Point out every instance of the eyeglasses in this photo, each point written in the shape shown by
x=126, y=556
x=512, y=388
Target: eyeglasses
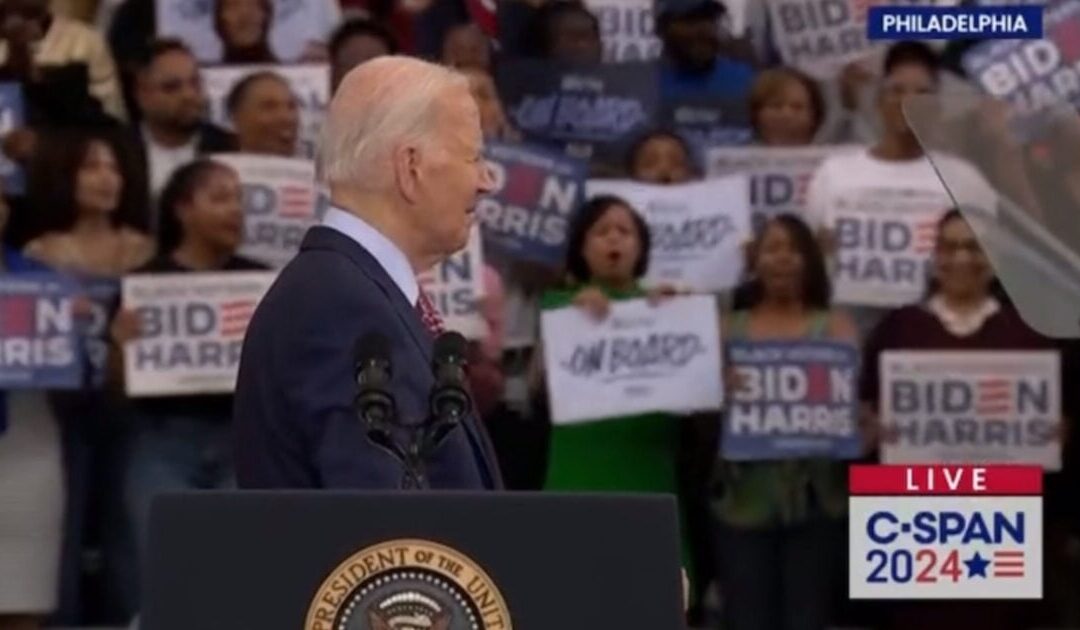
x=951, y=248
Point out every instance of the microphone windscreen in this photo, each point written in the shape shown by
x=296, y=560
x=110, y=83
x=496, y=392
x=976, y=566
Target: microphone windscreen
x=449, y=346
x=372, y=347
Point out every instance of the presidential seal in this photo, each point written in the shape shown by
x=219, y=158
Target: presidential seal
x=408, y=585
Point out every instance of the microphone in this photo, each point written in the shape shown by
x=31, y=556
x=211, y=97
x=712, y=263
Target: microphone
x=374, y=402
x=450, y=397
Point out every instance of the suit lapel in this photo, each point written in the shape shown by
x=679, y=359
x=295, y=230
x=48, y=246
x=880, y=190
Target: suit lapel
x=320, y=237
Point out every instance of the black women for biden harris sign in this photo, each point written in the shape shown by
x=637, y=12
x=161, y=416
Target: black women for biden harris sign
x=792, y=400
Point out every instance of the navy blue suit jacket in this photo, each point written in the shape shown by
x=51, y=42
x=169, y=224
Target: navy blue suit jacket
x=294, y=418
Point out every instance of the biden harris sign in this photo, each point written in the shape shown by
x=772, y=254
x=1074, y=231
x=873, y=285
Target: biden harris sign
x=794, y=400
x=974, y=407
x=192, y=329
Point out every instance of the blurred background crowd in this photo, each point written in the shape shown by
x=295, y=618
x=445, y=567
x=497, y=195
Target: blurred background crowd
x=123, y=103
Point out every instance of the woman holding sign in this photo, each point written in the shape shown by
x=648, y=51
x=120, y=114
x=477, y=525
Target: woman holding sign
x=80, y=183
x=965, y=310
x=607, y=255
x=184, y=442
x=31, y=491
x=780, y=516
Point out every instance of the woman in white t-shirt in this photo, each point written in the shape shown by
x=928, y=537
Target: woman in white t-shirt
x=895, y=177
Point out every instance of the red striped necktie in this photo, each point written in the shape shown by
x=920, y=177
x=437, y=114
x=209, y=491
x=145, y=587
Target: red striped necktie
x=432, y=321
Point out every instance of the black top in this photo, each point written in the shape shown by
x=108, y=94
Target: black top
x=165, y=263
x=60, y=97
x=208, y=407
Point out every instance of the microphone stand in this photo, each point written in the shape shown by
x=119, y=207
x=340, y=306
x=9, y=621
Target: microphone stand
x=379, y=415
x=410, y=444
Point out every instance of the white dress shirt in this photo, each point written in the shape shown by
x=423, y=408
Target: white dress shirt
x=164, y=161
x=383, y=250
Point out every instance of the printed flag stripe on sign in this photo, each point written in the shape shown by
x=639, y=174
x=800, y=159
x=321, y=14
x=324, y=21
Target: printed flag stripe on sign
x=802, y=187
x=1008, y=563
x=817, y=386
x=297, y=202
x=925, y=236
x=17, y=316
x=235, y=317
x=1067, y=36
x=860, y=8
x=523, y=184
x=994, y=396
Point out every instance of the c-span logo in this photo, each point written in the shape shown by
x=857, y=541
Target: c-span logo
x=945, y=532
x=407, y=584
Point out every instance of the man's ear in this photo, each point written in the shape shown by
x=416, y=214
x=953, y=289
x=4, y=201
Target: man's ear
x=406, y=165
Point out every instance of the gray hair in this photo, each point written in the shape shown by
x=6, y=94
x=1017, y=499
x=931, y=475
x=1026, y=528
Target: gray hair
x=380, y=104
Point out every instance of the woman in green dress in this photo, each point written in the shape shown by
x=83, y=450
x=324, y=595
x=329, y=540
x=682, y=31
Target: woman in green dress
x=607, y=254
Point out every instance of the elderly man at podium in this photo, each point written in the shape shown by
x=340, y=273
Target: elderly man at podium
x=402, y=157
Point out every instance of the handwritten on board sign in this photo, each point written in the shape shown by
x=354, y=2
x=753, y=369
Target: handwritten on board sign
x=697, y=229
x=641, y=358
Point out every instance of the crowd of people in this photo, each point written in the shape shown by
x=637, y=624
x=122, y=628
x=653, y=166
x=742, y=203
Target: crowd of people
x=116, y=146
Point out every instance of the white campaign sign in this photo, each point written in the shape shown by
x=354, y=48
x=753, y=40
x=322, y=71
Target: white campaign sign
x=884, y=239
x=779, y=176
x=972, y=407
x=297, y=23
x=456, y=286
x=627, y=28
x=192, y=329
x=820, y=37
x=310, y=84
x=279, y=204
x=641, y=358
x=698, y=230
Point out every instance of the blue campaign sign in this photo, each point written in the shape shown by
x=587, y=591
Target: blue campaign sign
x=39, y=345
x=103, y=295
x=712, y=121
x=536, y=192
x=795, y=400
x=12, y=116
x=602, y=106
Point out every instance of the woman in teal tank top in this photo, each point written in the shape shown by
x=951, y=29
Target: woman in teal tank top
x=780, y=523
